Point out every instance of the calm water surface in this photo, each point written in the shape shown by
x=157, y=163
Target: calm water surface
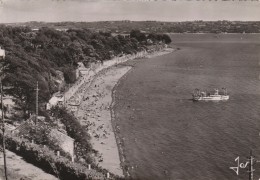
x=168, y=136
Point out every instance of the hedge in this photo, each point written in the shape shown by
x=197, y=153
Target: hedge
x=46, y=159
x=82, y=139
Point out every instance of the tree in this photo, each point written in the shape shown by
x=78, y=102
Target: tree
x=36, y=56
x=69, y=74
x=166, y=38
x=75, y=51
x=137, y=34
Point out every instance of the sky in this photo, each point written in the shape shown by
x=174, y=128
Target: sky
x=137, y=10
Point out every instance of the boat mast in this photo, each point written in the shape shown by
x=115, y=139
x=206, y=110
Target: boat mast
x=225, y=91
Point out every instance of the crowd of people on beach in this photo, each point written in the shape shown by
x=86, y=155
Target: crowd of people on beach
x=90, y=101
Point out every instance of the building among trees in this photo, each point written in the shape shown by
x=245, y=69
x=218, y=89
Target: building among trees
x=2, y=53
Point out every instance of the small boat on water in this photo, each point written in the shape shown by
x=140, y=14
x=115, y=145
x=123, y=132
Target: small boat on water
x=204, y=96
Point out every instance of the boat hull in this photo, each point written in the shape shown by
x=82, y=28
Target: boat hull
x=211, y=98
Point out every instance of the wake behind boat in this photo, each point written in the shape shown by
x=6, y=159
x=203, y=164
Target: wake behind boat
x=204, y=96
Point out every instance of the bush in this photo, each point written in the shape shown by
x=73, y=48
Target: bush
x=75, y=131
x=82, y=139
x=46, y=159
x=69, y=75
x=40, y=134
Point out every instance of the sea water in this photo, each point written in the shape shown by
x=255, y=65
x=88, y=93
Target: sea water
x=168, y=136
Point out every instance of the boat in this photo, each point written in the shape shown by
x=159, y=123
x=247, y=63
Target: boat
x=204, y=96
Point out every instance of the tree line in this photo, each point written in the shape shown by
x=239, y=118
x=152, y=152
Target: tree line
x=161, y=27
x=33, y=56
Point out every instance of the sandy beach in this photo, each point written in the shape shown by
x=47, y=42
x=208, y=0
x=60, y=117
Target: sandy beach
x=95, y=110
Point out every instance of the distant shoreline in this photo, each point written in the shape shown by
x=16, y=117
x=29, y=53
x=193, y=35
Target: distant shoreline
x=124, y=26
x=213, y=33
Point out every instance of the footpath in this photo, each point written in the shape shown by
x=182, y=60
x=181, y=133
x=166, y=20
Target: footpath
x=94, y=69
x=18, y=169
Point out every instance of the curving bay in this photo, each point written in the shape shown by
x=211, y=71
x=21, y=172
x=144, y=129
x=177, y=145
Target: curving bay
x=168, y=136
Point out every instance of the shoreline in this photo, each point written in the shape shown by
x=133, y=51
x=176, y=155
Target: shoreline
x=96, y=111
x=116, y=129
x=119, y=140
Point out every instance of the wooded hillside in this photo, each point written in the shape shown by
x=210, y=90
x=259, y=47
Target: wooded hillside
x=42, y=55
